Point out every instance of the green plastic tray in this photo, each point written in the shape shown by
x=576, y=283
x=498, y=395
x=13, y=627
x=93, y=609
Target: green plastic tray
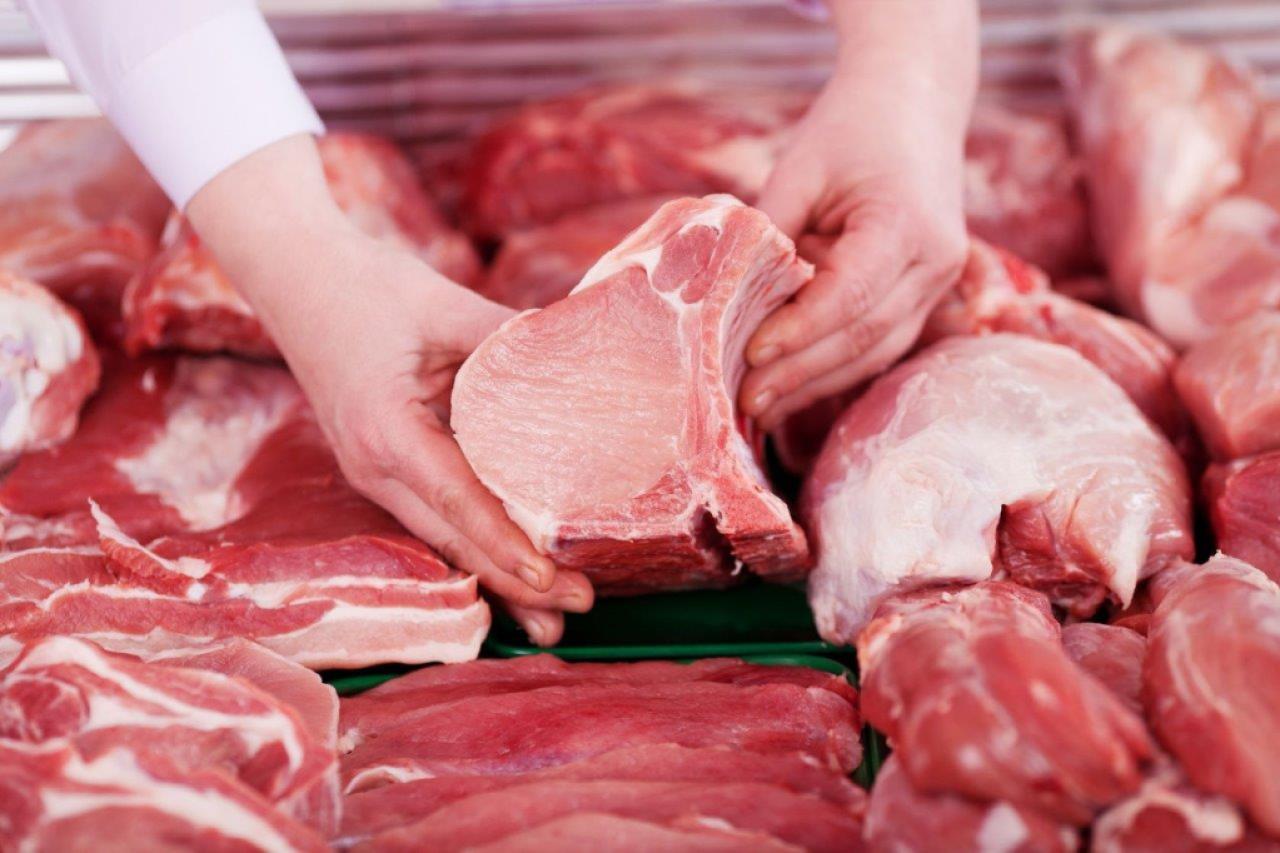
x=753, y=619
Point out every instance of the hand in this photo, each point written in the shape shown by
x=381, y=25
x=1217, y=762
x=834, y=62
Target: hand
x=871, y=185
x=374, y=336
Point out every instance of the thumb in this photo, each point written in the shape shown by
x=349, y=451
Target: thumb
x=786, y=200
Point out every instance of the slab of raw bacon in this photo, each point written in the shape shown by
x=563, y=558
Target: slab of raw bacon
x=78, y=213
x=66, y=690
x=370, y=812
x=1212, y=696
x=975, y=692
x=1231, y=385
x=1024, y=187
x=1244, y=503
x=606, y=422
x=991, y=455
x=53, y=798
x=48, y=368
x=900, y=818
x=1111, y=654
x=183, y=300
x=1179, y=151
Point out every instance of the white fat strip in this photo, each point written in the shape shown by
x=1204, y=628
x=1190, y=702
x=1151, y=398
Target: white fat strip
x=108, y=529
x=105, y=711
x=382, y=774
x=280, y=593
x=1002, y=830
x=128, y=785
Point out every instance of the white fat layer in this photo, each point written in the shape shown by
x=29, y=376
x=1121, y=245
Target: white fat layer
x=126, y=785
x=38, y=340
x=1002, y=830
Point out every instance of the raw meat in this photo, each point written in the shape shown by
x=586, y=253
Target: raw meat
x=121, y=801
x=396, y=702
x=1244, y=506
x=529, y=730
x=1111, y=654
x=606, y=422
x=1178, y=148
x=584, y=833
x=48, y=368
x=977, y=696
x=1024, y=188
x=221, y=513
x=62, y=689
x=78, y=213
x=997, y=292
x=542, y=264
x=1231, y=385
x=900, y=819
x=389, y=806
x=615, y=142
x=1212, y=696
x=991, y=455
x=182, y=299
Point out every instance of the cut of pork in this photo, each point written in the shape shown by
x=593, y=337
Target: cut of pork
x=606, y=422
x=1212, y=695
x=1244, y=507
x=1111, y=654
x=975, y=692
x=900, y=819
x=593, y=831
x=991, y=455
x=62, y=689
x=1178, y=148
x=48, y=368
x=183, y=300
x=1231, y=385
x=78, y=213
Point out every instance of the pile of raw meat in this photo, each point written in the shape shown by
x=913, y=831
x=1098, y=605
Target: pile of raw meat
x=1002, y=525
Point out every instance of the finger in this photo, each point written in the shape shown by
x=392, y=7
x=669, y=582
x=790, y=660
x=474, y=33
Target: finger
x=861, y=267
x=787, y=198
x=544, y=627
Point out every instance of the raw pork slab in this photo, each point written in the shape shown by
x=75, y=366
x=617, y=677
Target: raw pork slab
x=1212, y=695
x=615, y=142
x=900, y=819
x=1024, y=187
x=1231, y=385
x=183, y=300
x=975, y=692
x=606, y=422
x=992, y=455
x=1179, y=152
x=62, y=689
x=54, y=799
x=1244, y=507
x=1111, y=654
x=48, y=368
x=369, y=812
x=78, y=213
x=584, y=833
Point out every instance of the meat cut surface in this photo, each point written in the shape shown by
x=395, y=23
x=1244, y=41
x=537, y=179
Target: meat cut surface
x=542, y=264
x=1111, y=654
x=48, y=368
x=606, y=422
x=992, y=455
x=616, y=142
x=1244, y=506
x=183, y=300
x=974, y=690
x=1024, y=188
x=1231, y=385
x=70, y=691
x=1179, y=148
x=219, y=512
x=78, y=214
x=900, y=818
x=590, y=831
x=1212, y=696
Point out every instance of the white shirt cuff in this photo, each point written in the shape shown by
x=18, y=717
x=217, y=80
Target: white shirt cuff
x=209, y=98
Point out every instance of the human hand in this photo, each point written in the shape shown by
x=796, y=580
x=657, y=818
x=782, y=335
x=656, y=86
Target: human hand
x=871, y=187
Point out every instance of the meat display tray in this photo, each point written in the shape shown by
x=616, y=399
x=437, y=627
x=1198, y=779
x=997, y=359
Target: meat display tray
x=753, y=619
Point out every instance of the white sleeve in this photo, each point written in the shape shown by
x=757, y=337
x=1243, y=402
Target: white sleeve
x=192, y=85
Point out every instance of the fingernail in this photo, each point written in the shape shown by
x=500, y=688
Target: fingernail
x=532, y=577
x=762, y=399
x=572, y=598
x=766, y=354
x=537, y=626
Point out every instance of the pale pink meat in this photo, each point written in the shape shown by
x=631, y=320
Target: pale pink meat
x=1244, y=507
x=48, y=368
x=977, y=697
x=591, y=831
x=1111, y=654
x=1212, y=696
x=606, y=423
x=991, y=456
x=1231, y=385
